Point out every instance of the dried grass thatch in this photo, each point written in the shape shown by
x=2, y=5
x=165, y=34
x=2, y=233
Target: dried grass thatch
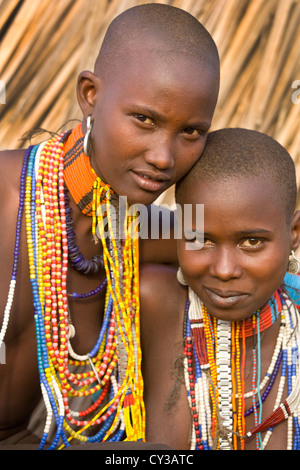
x=44, y=45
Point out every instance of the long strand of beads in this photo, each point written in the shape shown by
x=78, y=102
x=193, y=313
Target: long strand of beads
x=243, y=339
x=206, y=408
x=290, y=385
x=282, y=378
x=49, y=269
x=240, y=416
x=290, y=405
x=234, y=367
x=134, y=306
x=272, y=365
x=254, y=374
x=269, y=387
x=190, y=385
x=223, y=359
x=45, y=374
x=47, y=257
x=131, y=384
x=200, y=402
x=108, y=354
x=211, y=344
x=258, y=377
x=94, y=375
x=293, y=375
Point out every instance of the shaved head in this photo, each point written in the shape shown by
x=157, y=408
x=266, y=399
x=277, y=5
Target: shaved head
x=236, y=153
x=158, y=29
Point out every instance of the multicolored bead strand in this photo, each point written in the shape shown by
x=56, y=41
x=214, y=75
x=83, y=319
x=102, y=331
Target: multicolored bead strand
x=224, y=383
x=285, y=356
x=103, y=376
x=126, y=301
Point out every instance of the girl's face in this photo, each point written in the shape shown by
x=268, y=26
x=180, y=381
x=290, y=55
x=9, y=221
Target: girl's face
x=150, y=124
x=246, y=246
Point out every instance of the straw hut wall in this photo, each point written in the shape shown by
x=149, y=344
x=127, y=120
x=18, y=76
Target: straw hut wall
x=44, y=44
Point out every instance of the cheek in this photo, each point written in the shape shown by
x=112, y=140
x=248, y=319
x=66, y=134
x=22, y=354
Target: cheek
x=270, y=264
x=186, y=156
x=190, y=262
x=268, y=276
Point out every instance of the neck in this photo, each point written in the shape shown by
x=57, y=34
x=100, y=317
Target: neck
x=79, y=176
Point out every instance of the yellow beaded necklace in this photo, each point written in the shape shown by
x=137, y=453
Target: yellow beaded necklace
x=112, y=370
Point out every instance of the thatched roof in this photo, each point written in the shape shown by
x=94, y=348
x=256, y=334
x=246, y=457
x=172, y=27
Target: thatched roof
x=44, y=45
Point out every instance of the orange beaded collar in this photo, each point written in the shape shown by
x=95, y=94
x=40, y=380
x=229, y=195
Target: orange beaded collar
x=79, y=175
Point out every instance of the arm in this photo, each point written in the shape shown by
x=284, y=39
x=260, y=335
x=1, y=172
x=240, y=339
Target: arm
x=160, y=246
x=19, y=389
x=162, y=310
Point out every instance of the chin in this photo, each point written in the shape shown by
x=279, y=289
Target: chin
x=230, y=316
x=144, y=199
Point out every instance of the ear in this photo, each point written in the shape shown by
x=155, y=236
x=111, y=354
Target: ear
x=88, y=86
x=295, y=231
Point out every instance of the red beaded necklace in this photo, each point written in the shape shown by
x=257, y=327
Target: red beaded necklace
x=265, y=315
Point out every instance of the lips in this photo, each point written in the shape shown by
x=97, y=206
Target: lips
x=225, y=298
x=149, y=180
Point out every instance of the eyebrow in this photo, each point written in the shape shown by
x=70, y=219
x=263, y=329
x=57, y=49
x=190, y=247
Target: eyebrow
x=239, y=234
x=160, y=117
x=256, y=231
x=151, y=113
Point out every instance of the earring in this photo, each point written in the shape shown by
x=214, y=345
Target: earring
x=293, y=264
x=87, y=137
x=180, y=277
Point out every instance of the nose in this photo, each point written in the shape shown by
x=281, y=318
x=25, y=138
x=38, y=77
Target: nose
x=161, y=154
x=226, y=265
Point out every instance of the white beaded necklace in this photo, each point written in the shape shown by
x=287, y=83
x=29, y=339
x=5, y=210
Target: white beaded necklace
x=288, y=340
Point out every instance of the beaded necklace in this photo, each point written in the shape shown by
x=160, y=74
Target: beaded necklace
x=215, y=355
x=111, y=373
x=79, y=176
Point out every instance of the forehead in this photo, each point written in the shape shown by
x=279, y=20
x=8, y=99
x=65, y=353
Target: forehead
x=155, y=58
x=156, y=76
x=239, y=203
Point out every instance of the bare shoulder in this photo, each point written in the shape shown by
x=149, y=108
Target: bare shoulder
x=158, y=282
x=20, y=388
x=153, y=274
x=162, y=297
x=160, y=245
x=10, y=169
x=11, y=162
x=163, y=302
x=10, y=157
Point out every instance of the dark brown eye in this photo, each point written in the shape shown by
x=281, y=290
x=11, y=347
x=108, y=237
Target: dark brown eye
x=191, y=131
x=143, y=118
x=251, y=242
